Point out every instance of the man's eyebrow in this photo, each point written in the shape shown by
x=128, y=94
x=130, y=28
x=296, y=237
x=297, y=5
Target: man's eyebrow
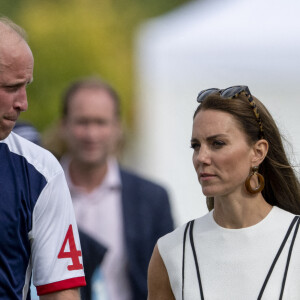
x=19, y=83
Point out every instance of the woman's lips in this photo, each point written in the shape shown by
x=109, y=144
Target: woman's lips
x=206, y=176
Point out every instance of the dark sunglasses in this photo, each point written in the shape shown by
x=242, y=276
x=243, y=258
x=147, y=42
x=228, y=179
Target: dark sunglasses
x=230, y=93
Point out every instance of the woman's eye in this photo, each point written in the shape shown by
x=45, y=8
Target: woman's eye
x=218, y=144
x=195, y=146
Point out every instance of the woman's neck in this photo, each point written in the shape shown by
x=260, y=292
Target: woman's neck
x=240, y=212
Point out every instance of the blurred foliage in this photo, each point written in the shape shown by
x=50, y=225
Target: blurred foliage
x=76, y=38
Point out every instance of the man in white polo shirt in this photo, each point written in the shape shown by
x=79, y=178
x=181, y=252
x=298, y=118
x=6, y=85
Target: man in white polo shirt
x=38, y=229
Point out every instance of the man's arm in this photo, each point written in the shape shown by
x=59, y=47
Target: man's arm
x=70, y=294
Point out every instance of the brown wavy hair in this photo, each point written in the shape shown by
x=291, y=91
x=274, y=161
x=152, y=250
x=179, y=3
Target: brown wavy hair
x=282, y=186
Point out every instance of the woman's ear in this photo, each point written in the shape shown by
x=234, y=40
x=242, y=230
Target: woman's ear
x=260, y=149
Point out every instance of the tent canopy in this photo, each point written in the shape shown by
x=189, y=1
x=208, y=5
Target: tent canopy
x=211, y=44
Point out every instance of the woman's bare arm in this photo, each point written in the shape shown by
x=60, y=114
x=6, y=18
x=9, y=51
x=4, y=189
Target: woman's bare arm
x=159, y=287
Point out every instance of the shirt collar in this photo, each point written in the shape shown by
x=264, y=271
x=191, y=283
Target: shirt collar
x=112, y=179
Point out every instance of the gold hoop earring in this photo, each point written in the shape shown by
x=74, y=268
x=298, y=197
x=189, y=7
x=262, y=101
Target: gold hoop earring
x=261, y=181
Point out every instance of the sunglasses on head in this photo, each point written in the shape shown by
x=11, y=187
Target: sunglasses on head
x=230, y=93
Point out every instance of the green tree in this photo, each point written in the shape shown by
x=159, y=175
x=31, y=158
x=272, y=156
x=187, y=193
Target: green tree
x=76, y=38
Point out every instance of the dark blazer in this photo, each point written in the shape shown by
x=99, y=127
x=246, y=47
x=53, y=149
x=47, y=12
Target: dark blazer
x=92, y=256
x=147, y=217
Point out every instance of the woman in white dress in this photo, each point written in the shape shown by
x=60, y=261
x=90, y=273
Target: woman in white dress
x=247, y=246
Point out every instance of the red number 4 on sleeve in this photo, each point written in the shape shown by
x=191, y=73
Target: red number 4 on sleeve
x=73, y=253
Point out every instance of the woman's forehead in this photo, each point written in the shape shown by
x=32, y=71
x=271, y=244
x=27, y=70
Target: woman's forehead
x=213, y=122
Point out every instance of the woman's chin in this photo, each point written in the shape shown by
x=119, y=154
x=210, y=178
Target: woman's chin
x=208, y=192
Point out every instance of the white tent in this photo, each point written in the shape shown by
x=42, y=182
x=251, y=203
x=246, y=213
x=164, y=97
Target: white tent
x=211, y=44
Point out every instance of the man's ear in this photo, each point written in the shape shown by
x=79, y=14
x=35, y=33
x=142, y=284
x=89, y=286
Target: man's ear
x=260, y=149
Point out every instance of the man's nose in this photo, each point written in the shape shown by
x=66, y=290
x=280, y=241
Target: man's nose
x=20, y=102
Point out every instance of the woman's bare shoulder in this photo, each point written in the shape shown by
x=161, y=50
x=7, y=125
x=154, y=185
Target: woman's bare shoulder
x=159, y=287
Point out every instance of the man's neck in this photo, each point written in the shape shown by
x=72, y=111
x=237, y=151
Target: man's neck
x=87, y=177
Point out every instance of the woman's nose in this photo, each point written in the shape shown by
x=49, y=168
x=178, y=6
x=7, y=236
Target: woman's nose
x=203, y=155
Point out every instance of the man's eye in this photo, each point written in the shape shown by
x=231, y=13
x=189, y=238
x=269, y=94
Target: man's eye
x=101, y=122
x=12, y=88
x=82, y=122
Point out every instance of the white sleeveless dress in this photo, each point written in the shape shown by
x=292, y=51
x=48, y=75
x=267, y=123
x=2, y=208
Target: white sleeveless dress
x=234, y=263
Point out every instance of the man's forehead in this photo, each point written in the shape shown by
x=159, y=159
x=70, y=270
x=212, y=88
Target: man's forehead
x=16, y=58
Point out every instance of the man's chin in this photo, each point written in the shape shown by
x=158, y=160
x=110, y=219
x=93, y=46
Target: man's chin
x=4, y=133
x=93, y=161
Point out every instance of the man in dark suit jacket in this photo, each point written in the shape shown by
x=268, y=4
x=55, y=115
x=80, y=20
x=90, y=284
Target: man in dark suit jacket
x=120, y=211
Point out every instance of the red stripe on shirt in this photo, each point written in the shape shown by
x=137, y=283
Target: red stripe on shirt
x=61, y=285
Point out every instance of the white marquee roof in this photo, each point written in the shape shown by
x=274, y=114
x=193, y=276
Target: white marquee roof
x=211, y=44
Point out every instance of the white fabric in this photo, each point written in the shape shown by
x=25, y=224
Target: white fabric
x=99, y=214
x=233, y=262
x=52, y=216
